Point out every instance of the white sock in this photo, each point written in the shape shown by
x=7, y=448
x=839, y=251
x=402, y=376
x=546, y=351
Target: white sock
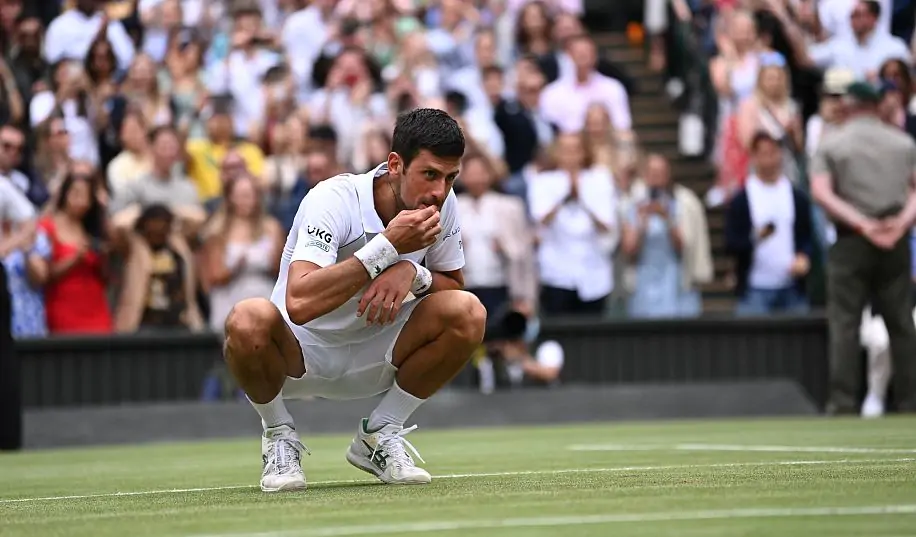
x=394, y=408
x=274, y=413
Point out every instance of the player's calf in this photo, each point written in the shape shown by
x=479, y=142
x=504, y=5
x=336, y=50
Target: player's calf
x=261, y=352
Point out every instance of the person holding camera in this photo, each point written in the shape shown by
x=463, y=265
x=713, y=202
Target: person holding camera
x=508, y=360
x=768, y=231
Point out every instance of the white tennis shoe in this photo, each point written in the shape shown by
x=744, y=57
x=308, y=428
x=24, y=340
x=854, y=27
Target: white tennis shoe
x=383, y=454
x=281, y=453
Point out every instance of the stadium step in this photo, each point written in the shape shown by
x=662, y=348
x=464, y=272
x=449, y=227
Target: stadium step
x=655, y=121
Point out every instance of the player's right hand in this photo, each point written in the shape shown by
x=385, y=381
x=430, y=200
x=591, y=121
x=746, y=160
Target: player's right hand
x=414, y=230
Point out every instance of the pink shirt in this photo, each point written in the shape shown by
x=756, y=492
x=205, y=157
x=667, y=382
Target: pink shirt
x=565, y=102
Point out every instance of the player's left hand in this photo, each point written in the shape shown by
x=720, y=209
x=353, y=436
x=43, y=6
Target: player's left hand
x=382, y=301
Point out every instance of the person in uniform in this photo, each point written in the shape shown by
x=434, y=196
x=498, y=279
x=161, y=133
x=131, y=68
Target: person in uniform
x=863, y=177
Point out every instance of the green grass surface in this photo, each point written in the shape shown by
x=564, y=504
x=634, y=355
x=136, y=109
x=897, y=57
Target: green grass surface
x=801, y=477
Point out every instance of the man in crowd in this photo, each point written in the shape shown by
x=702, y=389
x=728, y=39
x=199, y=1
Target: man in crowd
x=864, y=177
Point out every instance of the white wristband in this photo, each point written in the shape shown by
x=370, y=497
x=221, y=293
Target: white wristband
x=377, y=255
x=422, y=281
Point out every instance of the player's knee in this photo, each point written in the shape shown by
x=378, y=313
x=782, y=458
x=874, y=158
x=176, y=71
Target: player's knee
x=468, y=317
x=249, y=325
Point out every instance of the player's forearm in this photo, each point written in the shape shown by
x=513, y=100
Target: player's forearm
x=321, y=291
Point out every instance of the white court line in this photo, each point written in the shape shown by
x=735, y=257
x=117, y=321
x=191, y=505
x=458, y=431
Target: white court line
x=737, y=447
x=465, y=476
x=582, y=520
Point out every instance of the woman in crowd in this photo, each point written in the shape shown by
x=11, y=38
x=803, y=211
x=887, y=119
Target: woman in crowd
x=69, y=98
x=667, y=240
x=574, y=208
x=241, y=251
x=771, y=109
x=141, y=90
x=372, y=150
x=75, y=295
x=533, y=31
x=734, y=77
x=287, y=163
x=52, y=156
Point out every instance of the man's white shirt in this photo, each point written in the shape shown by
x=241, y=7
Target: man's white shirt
x=336, y=219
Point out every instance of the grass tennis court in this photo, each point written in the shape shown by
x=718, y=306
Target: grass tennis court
x=760, y=477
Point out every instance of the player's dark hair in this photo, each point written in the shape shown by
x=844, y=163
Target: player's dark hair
x=430, y=129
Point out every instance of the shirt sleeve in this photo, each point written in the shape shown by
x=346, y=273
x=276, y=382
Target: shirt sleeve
x=15, y=205
x=821, y=163
x=618, y=103
x=321, y=223
x=448, y=252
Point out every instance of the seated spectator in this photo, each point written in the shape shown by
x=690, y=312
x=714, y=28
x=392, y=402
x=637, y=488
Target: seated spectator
x=565, y=102
x=892, y=109
x=142, y=93
x=25, y=61
x=27, y=267
x=667, y=241
x=242, y=251
x=159, y=288
x=184, y=79
x=768, y=230
x=574, y=208
x=470, y=80
x=479, y=127
x=771, y=108
x=12, y=148
x=75, y=295
x=205, y=156
x=319, y=166
x=372, y=150
x=866, y=49
x=135, y=161
x=287, y=162
x=163, y=185
x=497, y=241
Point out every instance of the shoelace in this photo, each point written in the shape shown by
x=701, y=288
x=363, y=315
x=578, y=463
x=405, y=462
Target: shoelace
x=394, y=444
x=285, y=451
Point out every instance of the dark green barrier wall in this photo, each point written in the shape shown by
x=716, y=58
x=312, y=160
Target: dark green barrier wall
x=126, y=369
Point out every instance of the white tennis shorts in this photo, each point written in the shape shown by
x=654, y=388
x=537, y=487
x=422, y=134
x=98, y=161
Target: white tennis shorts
x=350, y=371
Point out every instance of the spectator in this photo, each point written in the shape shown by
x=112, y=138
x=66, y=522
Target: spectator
x=71, y=34
x=348, y=100
x=141, y=91
x=184, y=80
x=771, y=109
x=305, y=33
x=667, y=240
x=866, y=49
x=319, y=165
x=287, y=163
x=523, y=128
x=206, y=155
x=52, y=158
x=416, y=66
x=831, y=113
x=27, y=272
x=373, y=149
x=68, y=96
x=574, y=210
x=241, y=252
x=135, y=161
x=75, y=295
x=470, y=80
x=17, y=231
x=837, y=17
x=532, y=31
x=240, y=74
x=863, y=177
x=565, y=102
x=479, y=127
x=25, y=60
x=734, y=77
x=162, y=186
x=497, y=242
x=158, y=292
x=768, y=230
x=158, y=26
x=509, y=361
x=12, y=147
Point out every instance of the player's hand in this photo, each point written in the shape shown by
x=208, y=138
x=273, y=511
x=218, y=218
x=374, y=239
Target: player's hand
x=414, y=230
x=382, y=300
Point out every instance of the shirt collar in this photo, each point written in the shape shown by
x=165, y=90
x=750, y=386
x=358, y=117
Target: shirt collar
x=365, y=191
